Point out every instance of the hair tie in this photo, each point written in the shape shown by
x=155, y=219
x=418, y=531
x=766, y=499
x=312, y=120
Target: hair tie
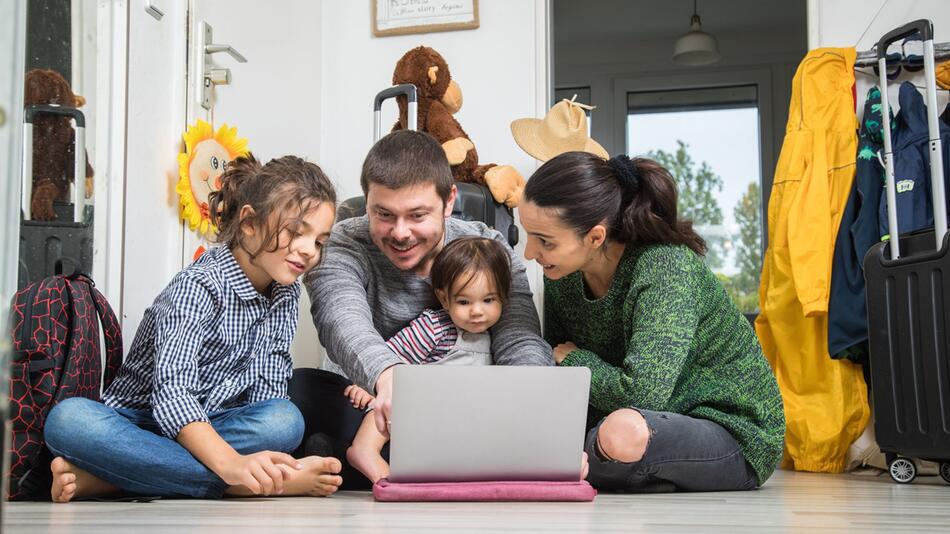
x=626, y=172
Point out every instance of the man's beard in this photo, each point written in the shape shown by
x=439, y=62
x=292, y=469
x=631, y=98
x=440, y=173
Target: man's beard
x=428, y=256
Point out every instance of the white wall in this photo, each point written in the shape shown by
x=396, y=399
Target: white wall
x=274, y=98
x=860, y=23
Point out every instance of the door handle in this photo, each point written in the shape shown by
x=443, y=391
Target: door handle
x=210, y=75
x=215, y=48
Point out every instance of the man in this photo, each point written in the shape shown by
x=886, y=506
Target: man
x=374, y=280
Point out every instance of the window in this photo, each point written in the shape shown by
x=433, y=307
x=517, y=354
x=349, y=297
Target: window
x=709, y=140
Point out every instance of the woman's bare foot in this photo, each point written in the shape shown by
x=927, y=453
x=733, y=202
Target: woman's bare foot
x=71, y=482
x=319, y=477
x=368, y=461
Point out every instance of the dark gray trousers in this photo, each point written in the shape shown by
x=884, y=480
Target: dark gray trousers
x=683, y=454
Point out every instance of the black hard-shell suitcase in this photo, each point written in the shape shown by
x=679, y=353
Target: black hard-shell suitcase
x=68, y=238
x=908, y=297
x=474, y=202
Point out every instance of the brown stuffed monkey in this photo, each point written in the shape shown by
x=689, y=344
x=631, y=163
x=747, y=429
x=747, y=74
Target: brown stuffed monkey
x=54, y=144
x=439, y=97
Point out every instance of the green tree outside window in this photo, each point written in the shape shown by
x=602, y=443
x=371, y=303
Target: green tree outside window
x=698, y=187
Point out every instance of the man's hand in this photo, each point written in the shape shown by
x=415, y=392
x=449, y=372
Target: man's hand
x=258, y=472
x=561, y=351
x=383, y=405
x=358, y=396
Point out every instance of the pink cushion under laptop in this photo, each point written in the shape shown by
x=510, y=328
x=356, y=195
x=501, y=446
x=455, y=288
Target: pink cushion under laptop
x=579, y=490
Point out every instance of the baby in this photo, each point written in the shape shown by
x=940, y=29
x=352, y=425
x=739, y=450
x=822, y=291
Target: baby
x=471, y=278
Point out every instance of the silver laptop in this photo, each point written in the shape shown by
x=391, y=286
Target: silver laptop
x=462, y=423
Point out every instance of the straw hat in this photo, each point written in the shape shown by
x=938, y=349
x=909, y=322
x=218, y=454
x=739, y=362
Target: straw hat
x=563, y=129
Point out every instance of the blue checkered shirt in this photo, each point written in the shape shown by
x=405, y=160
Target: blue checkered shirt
x=209, y=342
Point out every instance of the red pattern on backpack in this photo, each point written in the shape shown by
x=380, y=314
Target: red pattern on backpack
x=57, y=355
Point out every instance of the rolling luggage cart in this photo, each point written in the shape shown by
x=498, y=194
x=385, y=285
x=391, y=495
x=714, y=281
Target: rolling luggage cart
x=908, y=297
x=69, y=237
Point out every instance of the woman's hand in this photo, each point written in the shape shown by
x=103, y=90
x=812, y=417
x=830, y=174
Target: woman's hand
x=561, y=351
x=358, y=396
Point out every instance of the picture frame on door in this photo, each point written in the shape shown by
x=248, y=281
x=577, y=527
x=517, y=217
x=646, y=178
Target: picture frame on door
x=404, y=17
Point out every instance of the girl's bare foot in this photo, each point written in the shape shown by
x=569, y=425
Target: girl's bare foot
x=319, y=477
x=368, y=461
x=71, y=482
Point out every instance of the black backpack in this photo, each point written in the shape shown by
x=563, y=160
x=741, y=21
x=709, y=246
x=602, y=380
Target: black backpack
x=57, y=355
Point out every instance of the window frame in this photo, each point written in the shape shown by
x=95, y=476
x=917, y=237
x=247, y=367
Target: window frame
x=769, y=138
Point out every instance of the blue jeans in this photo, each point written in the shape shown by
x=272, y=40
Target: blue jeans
x=127, y=449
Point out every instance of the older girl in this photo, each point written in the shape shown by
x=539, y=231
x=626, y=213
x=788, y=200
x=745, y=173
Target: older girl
x=200, y=406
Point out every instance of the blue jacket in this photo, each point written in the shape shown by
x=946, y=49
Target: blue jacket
x=847, y=308
x=911, y=146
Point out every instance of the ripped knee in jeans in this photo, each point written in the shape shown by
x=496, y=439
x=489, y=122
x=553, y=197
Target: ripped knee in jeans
x=623, y=436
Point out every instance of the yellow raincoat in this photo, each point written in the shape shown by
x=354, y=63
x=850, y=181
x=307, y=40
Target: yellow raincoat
x=826, y=406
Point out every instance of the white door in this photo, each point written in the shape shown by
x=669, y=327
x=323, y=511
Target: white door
x=156, y=114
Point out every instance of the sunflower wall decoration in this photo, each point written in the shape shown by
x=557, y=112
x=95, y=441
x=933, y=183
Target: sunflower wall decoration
x=206, y=157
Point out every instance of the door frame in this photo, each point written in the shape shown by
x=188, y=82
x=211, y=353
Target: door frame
x=111, y=93
x=12, y=60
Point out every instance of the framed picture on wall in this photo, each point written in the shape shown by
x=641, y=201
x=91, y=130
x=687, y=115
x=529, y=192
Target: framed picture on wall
x=402, y=17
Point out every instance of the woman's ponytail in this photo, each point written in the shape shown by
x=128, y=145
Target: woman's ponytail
x=635, y=198
x=649, y=210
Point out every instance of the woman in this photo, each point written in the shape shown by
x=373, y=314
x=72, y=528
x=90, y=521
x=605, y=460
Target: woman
x=681, y=397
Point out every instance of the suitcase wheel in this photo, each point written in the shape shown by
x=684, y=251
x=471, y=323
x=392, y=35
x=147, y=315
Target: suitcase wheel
x=945, y=471
x=903, y=470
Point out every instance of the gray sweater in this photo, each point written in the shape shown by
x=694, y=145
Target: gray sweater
x=360, y=299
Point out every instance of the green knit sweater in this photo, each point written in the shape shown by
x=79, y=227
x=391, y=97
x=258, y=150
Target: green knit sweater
x=666, y=337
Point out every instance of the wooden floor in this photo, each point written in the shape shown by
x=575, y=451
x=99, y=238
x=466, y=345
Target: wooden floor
x=788, y=502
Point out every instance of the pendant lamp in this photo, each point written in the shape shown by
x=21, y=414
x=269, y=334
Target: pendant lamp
x=696, y=47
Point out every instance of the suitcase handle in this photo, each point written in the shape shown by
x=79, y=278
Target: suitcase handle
x=79, y=169
x=888, y=260
x=409, y=91
x=923, y=26
x=45, y=109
